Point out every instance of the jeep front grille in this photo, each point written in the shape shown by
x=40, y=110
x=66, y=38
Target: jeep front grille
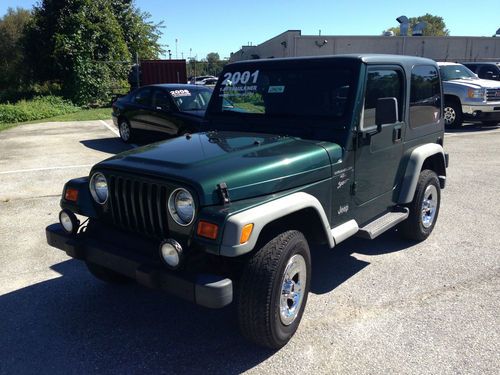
x=138, y=206
x=493, y=95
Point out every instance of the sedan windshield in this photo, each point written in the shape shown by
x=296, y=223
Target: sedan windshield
x=192, y=99
x=451, y=72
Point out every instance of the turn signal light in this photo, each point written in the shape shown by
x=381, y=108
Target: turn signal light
x=71, y=194
x=208, y=230
x=245, y=233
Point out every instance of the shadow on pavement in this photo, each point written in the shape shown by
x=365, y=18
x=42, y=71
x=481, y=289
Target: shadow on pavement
x=472, y=128
x=77, y=324
x=332, y=267
x=108, y=145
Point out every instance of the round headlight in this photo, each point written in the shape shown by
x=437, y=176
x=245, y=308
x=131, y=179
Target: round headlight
x=69, y=221
x=99, y=188
x=181, y=206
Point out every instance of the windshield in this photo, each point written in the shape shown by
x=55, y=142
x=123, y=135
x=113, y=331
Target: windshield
x=305, y=92
x=451, y=72
x=192, y=99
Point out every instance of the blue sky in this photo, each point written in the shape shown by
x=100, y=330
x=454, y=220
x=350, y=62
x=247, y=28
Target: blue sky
x=224, y=26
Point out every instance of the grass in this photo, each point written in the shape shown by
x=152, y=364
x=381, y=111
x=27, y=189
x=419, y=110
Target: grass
x=81, y=115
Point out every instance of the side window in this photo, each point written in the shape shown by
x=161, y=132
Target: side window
x=488, y=72
x=425, y=103
x=161, y=100
x=143, y=97
x=382, y=83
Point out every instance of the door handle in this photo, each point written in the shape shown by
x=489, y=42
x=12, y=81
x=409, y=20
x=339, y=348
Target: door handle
x=396, y=134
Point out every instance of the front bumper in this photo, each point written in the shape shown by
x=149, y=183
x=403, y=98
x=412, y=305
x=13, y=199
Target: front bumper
x=207, y=290
x=486, y=112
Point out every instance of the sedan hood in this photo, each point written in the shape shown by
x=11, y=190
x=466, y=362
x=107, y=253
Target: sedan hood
x=250, y=164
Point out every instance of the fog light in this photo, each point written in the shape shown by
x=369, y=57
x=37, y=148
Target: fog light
x=69, y=221
x=171, y=252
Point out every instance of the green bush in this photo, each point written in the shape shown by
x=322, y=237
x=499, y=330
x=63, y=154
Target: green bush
x=39, y=108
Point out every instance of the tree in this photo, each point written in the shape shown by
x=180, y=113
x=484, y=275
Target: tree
x=88, y=46
x=12, y=27
x=141, y=36
x=435, y=25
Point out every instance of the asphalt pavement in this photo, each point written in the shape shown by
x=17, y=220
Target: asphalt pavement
x=386, y=306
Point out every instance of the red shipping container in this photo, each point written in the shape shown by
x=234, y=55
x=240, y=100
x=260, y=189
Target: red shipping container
x=163, y=71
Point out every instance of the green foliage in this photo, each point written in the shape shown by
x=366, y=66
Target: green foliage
x=212, y=65
x=38, y=108
x=141, y=36
x=87, y=46
x=12, y=26
x=435, y=25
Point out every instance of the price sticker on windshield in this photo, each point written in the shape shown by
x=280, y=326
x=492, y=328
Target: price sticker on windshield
x=243, y=78
x=180, y=93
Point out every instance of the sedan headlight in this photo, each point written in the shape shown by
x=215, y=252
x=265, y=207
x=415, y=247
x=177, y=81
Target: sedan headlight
x=99, y=188
x=181, y=206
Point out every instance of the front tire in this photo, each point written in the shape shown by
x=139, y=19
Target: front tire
x=453, y=116
x=273, y=290
x=126, y=131
x=424, y=208
x=106, y=275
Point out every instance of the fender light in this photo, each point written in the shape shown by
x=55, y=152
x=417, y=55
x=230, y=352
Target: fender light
x=246, y=232
x=71, y=194
x=207, y=230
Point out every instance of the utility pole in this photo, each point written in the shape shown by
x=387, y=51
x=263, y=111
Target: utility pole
x=176, y=40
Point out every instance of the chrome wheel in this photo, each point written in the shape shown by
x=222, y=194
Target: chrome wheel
x=293, y=286
x=124, y=131
x=450, y=115
x=429, y=205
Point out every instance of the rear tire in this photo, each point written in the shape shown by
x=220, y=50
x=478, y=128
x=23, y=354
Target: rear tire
x=106, y=275
x=453, y=116
x=273, y=290
x=424, y=208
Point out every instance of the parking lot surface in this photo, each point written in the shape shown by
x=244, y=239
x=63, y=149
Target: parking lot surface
x=383, y=306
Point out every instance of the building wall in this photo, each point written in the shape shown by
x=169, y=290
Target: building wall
x=292, y=43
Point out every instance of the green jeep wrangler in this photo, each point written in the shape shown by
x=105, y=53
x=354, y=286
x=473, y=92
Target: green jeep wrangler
x=296, y=152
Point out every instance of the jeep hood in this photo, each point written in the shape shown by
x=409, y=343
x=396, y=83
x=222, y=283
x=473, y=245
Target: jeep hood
x=250, y=164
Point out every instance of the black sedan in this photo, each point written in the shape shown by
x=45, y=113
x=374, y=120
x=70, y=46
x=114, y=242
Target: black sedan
x=166, y=109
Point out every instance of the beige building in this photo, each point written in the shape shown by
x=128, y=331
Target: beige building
x=449, y=48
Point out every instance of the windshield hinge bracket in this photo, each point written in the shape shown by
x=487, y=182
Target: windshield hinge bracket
x=224, y=193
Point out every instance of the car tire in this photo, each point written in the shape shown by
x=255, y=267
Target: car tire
x=273, y=290
x=424, y=208
x=126, y=131
x=106, y=275
x=453, y=116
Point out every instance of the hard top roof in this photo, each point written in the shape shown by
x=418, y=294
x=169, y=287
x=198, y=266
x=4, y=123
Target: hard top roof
x=362, y=57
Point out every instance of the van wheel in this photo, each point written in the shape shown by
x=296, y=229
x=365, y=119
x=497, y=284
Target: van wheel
x=273, y=290
x=106, y=275
x=424, y=208
x=452, y=113
x=126, y=131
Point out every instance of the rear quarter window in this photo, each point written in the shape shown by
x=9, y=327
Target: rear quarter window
x=425, y=96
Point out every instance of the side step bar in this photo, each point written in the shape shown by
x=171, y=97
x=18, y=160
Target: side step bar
x=383, y=223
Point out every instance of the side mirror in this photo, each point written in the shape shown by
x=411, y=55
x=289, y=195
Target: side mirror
x=386, y=112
